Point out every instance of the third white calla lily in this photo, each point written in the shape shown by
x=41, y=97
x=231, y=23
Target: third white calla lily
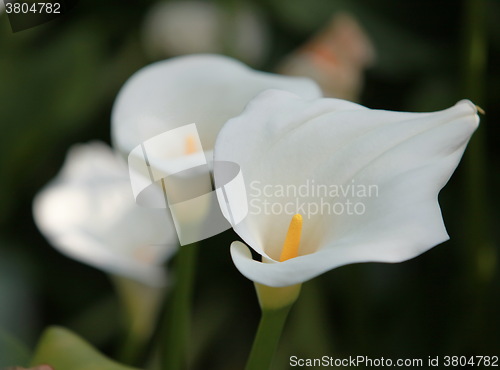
x=401, y=160
x=88, y=213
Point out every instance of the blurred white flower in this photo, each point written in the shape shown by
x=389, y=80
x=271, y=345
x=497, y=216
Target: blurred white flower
x=88, y=213
x=189, y=27
x=336, y=58
x=304, y=156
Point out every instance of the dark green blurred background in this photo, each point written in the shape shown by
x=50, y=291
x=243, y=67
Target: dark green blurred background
x=58, y=82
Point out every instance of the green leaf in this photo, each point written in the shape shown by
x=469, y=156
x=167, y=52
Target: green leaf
x=64, y=350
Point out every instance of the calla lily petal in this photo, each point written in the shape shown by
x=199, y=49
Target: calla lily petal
x=88, y=212
x=284, y=142
x=202, y=89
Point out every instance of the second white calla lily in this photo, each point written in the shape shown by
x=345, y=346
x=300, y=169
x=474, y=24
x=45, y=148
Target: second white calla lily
x=365, y=182
x=203, y=89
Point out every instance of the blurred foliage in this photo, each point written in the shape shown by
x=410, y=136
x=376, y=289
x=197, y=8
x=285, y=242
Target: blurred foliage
x=64, y=350
x=57, y=85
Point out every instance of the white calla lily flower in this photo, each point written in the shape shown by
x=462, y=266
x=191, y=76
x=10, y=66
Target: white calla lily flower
x=88, y=213
x=203, y=89
x=317, y=158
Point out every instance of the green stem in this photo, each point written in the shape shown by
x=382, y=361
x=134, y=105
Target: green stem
x=141, y=305
x=480, y=257
x=267, y=338
x=479, y=247
x=175, y=344
x=130, y=349
x=309, y=329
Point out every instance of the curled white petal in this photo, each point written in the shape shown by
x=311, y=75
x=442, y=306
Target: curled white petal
x=88, y=213
x=284, y=141
x=202, y=89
